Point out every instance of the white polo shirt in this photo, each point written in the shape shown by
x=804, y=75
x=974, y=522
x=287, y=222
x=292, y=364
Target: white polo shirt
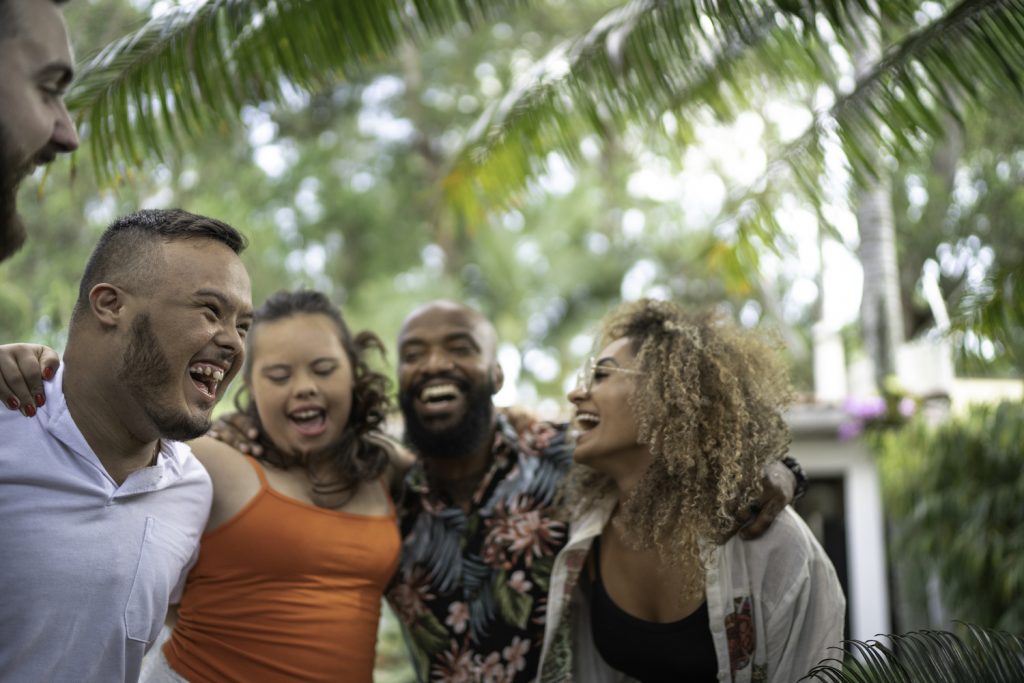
x=87, y=567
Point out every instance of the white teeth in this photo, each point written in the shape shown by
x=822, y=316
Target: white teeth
x=305, y=414
x=587, y=419
x=440, y=391
x=207, y=371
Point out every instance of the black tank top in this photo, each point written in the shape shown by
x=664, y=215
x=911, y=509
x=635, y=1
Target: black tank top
x=679, y=652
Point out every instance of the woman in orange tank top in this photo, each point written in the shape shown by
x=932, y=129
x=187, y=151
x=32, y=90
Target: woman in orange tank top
x=302, y=540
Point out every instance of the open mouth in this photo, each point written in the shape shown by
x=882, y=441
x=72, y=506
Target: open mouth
x=206, y=378
x=587, y=421
x=309, y=421
x=440, y=396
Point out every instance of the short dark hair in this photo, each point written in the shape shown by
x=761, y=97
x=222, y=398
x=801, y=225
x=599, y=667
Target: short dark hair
x=127, y=251
x=9, y=23
x=356, y=459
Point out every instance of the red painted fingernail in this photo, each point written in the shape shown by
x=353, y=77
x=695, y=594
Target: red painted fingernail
x=47, y=373
x=40, y=400
x=30, y=410
x=13, y=403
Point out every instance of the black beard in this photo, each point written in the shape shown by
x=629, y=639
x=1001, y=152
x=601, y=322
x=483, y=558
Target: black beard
x=12, y=230
x=462, y=438
x=146, y=373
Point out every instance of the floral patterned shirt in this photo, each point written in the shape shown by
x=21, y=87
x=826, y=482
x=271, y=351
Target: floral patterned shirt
x=471, y=589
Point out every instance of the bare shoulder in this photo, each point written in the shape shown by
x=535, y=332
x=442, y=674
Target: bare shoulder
x=235, y=482
x=219, y=459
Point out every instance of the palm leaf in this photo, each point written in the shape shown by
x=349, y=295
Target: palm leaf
x=636, y=63
x=995, y=311
x=657, y=56
x=981, y=655
x=192, y=69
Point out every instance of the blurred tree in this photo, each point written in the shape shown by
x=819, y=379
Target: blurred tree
x=954, y=493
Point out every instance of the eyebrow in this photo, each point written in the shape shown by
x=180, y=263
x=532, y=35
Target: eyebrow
x=447, y=339
x=606, y=361
x=462, y=336
x=59, y=70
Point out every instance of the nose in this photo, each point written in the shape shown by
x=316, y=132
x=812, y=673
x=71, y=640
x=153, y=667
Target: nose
x=436, y=361
x=305, y=386
x=578, y=393
x=65, y=135
x=230, y=339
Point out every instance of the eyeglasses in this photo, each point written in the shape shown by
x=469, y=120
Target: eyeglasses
x=585, y=376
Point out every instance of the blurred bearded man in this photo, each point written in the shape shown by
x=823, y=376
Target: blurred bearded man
x=35, y=71
x=102, y=508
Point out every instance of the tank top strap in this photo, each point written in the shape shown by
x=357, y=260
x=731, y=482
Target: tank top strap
x=264, y=485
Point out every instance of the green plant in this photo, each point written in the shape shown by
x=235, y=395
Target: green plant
x=954, y=495
x=980, y=655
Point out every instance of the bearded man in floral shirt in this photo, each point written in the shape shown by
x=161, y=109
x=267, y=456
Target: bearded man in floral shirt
x=481, y=520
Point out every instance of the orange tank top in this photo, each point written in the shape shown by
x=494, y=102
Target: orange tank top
x=285, y=591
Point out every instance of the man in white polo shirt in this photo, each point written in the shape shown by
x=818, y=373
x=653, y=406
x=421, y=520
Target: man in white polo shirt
x=101, y=508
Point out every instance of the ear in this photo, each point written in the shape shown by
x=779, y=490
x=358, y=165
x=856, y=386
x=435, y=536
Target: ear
x=107, y=303
x=497, y=377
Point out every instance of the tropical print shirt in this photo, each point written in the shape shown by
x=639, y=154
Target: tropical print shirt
x=471, y=589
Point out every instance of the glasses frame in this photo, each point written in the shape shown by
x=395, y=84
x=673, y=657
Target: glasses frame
x=585, y=375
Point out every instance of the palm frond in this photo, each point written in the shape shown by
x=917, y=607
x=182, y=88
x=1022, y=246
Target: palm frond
x=192, y=69
x=995, y=311
x=981, y=655
x=663, y=56
x=636, y=63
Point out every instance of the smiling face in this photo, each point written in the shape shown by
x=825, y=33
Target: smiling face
x=185, y=340
x=301, y=382
x=607, y=432
x=36, y=62
x=447, y=373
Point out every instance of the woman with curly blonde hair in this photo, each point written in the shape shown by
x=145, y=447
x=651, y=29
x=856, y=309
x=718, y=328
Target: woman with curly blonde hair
x=677, y=417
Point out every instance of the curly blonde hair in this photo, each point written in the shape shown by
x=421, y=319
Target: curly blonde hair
x=709, y=406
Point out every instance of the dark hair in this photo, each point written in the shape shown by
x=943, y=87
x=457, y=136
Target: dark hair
x=127, y=249
x=356, y=459
x=8, y=22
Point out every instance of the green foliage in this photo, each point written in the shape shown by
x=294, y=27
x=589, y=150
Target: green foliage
x=960, y=208
x=190, y=70
x=655, y=56
x=978, y=654
x=954, y=492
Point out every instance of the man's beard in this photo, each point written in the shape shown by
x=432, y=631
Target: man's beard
x=458, y=440
x=147, y=375
x=12, y=171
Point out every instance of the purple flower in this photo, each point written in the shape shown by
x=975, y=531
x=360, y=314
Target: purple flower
x=866, y=408
x=907, y=407
x=850, y=430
